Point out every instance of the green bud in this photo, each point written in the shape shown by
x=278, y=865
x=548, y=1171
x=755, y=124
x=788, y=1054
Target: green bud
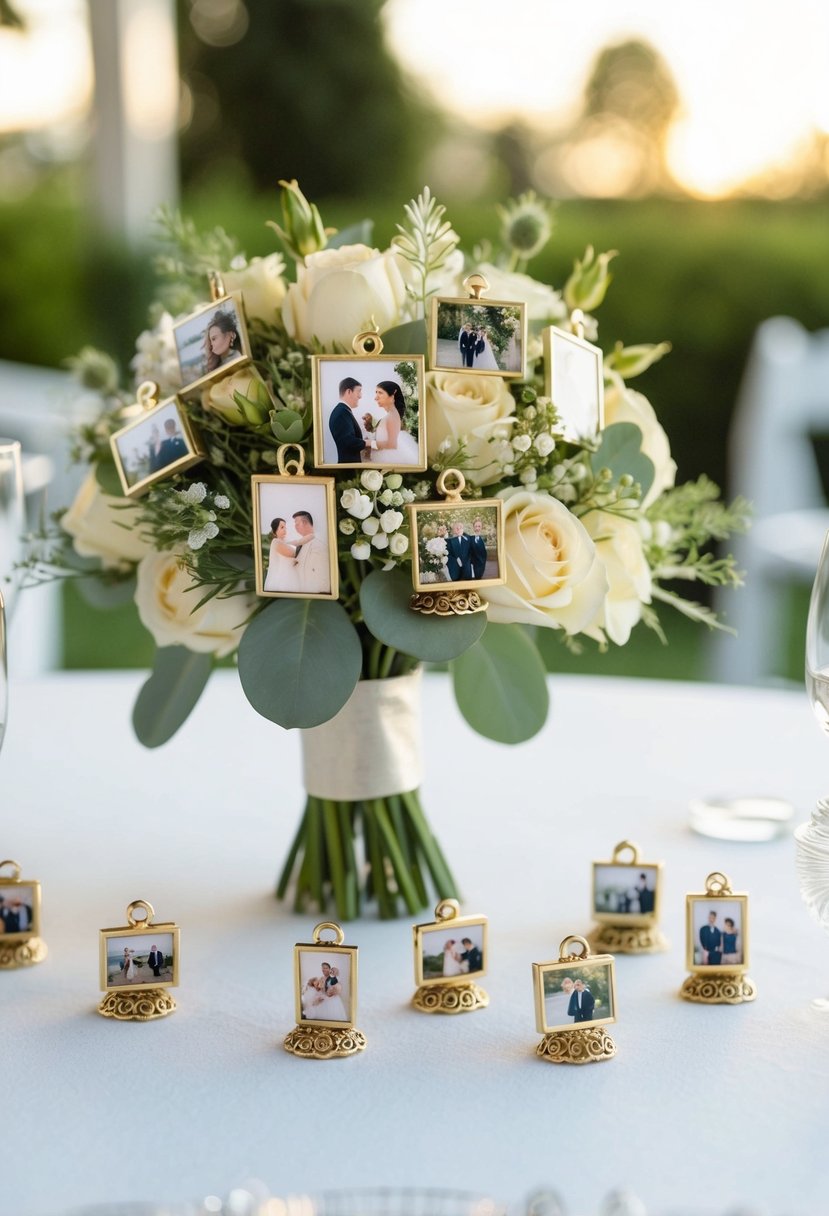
x=588, y=284
x=630, y=361
x=626, y=481
x=528, y=394
x=302, y=231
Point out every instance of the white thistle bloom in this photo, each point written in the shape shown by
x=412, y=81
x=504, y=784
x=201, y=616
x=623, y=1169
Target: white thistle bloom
x=221, y=501
x=407, y=495
x=422, y=490
x=198, y=536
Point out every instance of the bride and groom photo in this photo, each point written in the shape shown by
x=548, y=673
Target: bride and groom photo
x=626, y=892
x=457, y=545
x=325, y=987
x=451, y=953
x=367, y=412
x=487, y=338
x=569, y=996
x=17, y=910
x=145, y=961
x=293, y=525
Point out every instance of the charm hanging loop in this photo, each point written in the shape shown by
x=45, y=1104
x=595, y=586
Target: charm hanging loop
x=15, y=869
x=326, y=926
x=567, y=955
x=627, y=846
x=368, y=342
x=138, y=905
x=217, y=286
x=477, y=285
x=452, y=493
x=147, y=395
x=717, y=884
x=295, y=465
x=447, y=909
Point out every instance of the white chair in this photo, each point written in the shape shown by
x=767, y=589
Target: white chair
x=783, y=402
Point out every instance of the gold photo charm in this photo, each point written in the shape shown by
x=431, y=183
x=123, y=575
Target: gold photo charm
x=325, y=989
x=139, y=962
x=20, y=942
x=295, y=517
x=477, y=336
x=626, y=897
x=575, y=998
x=716, y=928
x=157, y=441
x=445, y=965
x=574, y=379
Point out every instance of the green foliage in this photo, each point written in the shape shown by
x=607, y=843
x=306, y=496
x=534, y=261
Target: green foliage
x=168, y=697
x=620, y=451
x=500, y=685
x=384, y=599
x=408, y=339
x=426, y=241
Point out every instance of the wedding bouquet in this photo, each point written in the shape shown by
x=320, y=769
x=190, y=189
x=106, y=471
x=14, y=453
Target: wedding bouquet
x=594, y=528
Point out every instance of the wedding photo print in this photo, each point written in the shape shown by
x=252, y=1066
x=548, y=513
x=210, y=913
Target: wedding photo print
x=210, y=340
x=369, y=412
x=450, y=951
x=623, y=892
x=155, y=445
x=574, y=380
x=294, y=537
x=145, y=960
x=488, y=338
x=717, y=932
x=325, y=984
x=456, y=545
x=19, y=910
x=569, y=996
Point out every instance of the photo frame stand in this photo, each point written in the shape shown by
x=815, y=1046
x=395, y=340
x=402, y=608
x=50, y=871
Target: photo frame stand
x=622, y=938
x=590, y=1045
x=445, y=601
x=719, y=987
x=23, y=951
x=143, y=1004
x=456, y=997
x=315, y=1042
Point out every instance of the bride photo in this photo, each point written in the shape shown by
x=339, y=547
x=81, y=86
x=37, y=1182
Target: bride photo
x=450, y=951
x=294, y=526
x=140, y=961
x=487, y=338
x=369, y=411
x=325, y=987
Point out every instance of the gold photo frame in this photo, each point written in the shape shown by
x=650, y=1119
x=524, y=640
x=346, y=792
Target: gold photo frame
x=454, y=569
x=216, y=331
x=325, y=962
x=475, y=929
x=497, y=343
x=155, y=444
x=554, y=1000
x=345, y=421
x=116, y=958
x=712, y=910
x=617, y=901
x=574, y=381
x=295, y=512
x=19, y=905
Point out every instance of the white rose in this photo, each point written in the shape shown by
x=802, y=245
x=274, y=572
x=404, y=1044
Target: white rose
x=543, y=303
x=554, y=577
x=622, y=404
x=371, y=525
x=95, y=521
x=390, y=521
x=361, y=551
x=472, y=407
x=372, y=480
x=262, y=286
x=164, y=596
x=618, y=543
x=340, y=292
x=544, y=443
x=394, y=481
x=380, y=541
x=399, y=544
x=357, y=504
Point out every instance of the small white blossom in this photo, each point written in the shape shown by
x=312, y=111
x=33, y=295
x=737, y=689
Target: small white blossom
x=347, y=527
x=398, y=544
x=222, y=501
x=387, y=566
x=564, y=493
x=578, y=471
x=397, y=499
x=386, y=498
x=544, y=443
x=357, y=504
x=422, y=490
x=529, y=475
x=372, y=479
x=522, y=443
x=509, y=469
x=380, y=541
x=530, y=413
x=503, y=451
x=663, y=533
x=194, y=494
x=361, y=551
x=198, y=536
x=446, y=445
x=394, y=481
x=371, y=526
x=390, y=521
x=501, y=433
x=407, y=495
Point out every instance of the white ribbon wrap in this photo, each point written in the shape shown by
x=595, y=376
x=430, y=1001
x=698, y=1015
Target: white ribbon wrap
x=371, y=748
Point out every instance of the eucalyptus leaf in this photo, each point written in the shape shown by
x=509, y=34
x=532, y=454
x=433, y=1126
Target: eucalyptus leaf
x=100, y=594
x=501, y=686
x=621, y=451
x=384, y=599
x=408, y=339
x=299, y=661
x=107, y=478
x=169, y=695
x=360, y=233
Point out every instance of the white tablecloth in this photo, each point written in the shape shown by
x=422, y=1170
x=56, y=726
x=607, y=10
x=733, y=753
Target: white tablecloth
x=702, y=1108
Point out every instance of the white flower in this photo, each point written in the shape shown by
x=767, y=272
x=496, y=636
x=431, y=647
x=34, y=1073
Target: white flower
x=437, y=546
x=421, y=490
x=357, y=504
x=398, y=544
x=347, y=526
x=394, y=481
x=262, y=285
x=522, y=443
x=371, y=525
x=156, y=359
x=380, y=541
x=198, y=536
x=341, y=292
x=618, y=543
x=372, y=479
x=623, y=404
x=386, y=498
x=103, y=526
x=390, y=521
x=544, y=443
x=553, y=574
x=543, y=304
x=529, y=475
x=194, y=494
x=221, y=501
x=361, y=551
x=462, y=406
x=165, y=596
x=407, y=495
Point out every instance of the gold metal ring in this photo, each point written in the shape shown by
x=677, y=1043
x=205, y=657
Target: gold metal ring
x=577, y=322
x=322, y=927
x=293, y=467
x=15, y=865
x=451, y=492
x=626, y=846
x=566, y=955
x=147, y=395
x=476, y=284
x=217, y=286
x=368, y=342
x=447, y=909
x=136, y=921
x=717, y=884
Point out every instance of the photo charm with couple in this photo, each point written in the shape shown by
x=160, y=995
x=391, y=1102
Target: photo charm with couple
x=487, y=337
x=18, y=906
x=147, y=960
x=293, y=536
x=718, y=934
x=325, y=987
x=451, y=949
x=367, y=411
x=158, y=443
x=574, y=995
x=457, y=545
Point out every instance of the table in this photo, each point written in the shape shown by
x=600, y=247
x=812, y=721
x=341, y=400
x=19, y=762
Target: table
x=702, y=1109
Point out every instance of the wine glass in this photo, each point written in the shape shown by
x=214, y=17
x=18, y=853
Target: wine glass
x=812, y=858
x=11, y=542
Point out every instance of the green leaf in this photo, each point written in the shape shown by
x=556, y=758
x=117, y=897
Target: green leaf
x=408, y=339
x=107, y=478
x=501, y=686
x=620, y=451
x=360, y=233
x=175, y=685
x=299, y=661
x=384, y=599
x=100, y=594
x=287, y=425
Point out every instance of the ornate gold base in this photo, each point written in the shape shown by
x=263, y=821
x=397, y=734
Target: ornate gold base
x=576, y=1046
x=447, y=603
x=324, y=1042
x=450, y=998
x=143, y=1006
x=22, y=953
x=628, y=939
x=723, y=988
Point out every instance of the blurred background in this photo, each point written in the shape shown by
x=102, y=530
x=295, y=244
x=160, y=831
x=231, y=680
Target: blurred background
x=693, y=138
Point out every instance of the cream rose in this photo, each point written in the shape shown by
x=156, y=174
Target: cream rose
x=554, y=576
x=95, y=521
x=543, y=303
x=341, y=292
x=473, y=408
x=623, y=404
x=262, y=286
x=256, y=406
x=165, y=597
x=618, y=543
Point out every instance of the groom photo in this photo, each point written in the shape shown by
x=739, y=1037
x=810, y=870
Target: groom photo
x=294, y=547
x=456, y=544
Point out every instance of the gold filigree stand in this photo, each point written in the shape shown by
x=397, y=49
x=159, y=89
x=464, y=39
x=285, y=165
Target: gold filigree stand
x=22, y=953
x=450, y=998
x=324, y=1042
x=576, y=1046
x=628, y=939
x=727, y=988
x=143, y=1006
x=447, y=603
